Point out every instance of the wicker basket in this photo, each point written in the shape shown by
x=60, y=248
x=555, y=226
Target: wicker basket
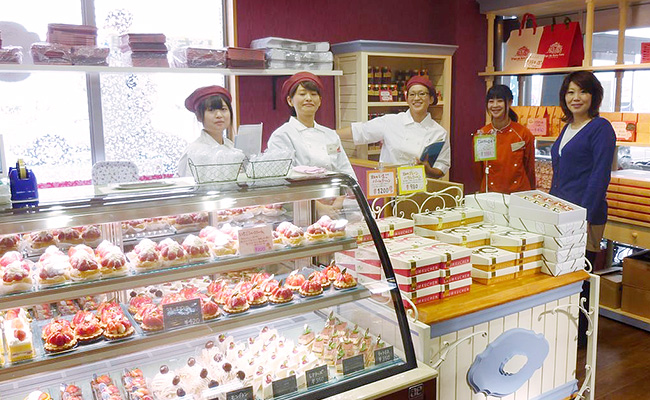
x=268, y=169
x=211, y=173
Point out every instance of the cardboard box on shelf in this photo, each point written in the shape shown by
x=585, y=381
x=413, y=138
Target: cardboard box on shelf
x=516, y=240
x=563, y=255
x=530, y=268
x=529, y=256
x=397, y=226
x=565, y=242
x=469, y=215
x=490, y=202
x=463, y=236
x=496, y=218
x=611, y=287
x=456, y=273
x=492, y=277
x=410, y=241
x=438, y=220
x=490, y=258
x=612, y=116
x=455, y=288
x=452, y=255
x=635, y=301
x=556, y=231
x=643, y=132
x=636, y=271
x=489, y=227
x=557, y=269
x=416, y=261
x=543, y=207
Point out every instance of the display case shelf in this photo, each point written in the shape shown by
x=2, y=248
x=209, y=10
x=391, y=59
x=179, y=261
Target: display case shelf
x=14, y=68
x=234, y=263
x=54, y=362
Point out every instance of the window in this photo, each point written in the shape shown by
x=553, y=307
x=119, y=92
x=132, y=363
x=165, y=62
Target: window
x=50, y=119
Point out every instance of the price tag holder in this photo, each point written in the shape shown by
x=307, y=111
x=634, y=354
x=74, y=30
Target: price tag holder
x=412, y=179
x=241, y=394
x=485, y=147
x=316, y=376
x=353, y=364
x=284, y=386
x=257, y=239
x=384, y=355
x=182, y=313
x=381, y=183
x=534, y=61
x=385, y=96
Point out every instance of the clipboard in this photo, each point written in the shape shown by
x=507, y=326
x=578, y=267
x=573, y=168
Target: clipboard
x=432, y=151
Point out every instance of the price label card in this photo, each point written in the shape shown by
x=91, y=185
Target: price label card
x=182, y=313
x=257, y=239
x=412, y=179
x=241, y=394
x=316, y=376
x=534, y=61
x=385, y=95
x=485, y=147
x=284, y=386
x=538, y=126
x=352, y=364
x=384, y=355
x=380, y=183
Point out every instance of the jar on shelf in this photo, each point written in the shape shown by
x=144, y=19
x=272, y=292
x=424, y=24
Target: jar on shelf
x=386, y=76
x=393, y=91
x=370, y=75
x=376, y=76
x=370, y=88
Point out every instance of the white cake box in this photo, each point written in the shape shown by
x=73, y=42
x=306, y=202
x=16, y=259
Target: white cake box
x=367, y=252
x=568, y=229
x=564, y=242
x=411, y=241
x=491, y=202
x=557, y=269
x=529, y=256
x=422, y=296
x=415, y=262
x=496, y=276
x=564, y=255
x=469, y=215
x=457, y=273
x=397, y=226
x=370, y=271
x=453, y=255
x=489, y=227
x=516, y=240
x=438, y=220
x=417, y=282
x=543, y=207
x=345, y=261
x=496, y=218
x=530, y=268
x=463, y=236
x=489, y=258
x=425, y=233
x=455, y=288
x=361, y=232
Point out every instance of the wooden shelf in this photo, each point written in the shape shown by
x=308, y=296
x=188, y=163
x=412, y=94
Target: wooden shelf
x=625, y=317
x=547, y=139
x=21, y=68
x=553, y=71
x=482, y=297
x=542, y=8
x=81, y=289
x=81, y=356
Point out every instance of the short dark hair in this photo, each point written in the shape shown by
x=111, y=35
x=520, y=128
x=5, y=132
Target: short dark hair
x=215, y=102
x=586, y=81
x=309, y=85
x=504, y=93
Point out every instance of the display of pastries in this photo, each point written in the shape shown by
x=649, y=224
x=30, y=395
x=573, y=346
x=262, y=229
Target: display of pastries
x=281, y=294
x=9, y=242
x=16, y=277
x=152, y=318
x=53, y=268
x=311, y=287
x=18, y=335
x=172, y=253
x=58, y=336
x=236, y=303
x=196, y=248
x=344, y=280
x=69, y=236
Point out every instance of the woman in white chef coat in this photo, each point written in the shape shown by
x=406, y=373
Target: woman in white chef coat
x=213, y=109
x=407, y=134
x=312, y=144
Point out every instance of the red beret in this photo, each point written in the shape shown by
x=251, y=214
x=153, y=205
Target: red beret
x=202, y=93
x=296, y=79
x=420, y=80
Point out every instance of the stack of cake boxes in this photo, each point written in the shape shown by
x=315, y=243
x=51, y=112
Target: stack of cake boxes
x=563, y=227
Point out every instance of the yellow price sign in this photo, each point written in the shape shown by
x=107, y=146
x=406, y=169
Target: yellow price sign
x=412, y=179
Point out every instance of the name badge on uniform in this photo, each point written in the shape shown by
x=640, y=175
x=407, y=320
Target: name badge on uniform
x=517, y=145
x=333, y=148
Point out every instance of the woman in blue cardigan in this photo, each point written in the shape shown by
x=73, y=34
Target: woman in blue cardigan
x=582, y=156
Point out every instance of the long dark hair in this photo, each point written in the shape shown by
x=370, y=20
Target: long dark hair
x=215, y=102
x=588, y=82
x=309, y=85
x=502, y=92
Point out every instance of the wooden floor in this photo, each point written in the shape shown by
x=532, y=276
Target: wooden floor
x=622, y=362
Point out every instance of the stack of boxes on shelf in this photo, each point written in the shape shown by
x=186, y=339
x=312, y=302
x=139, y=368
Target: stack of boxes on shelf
x=628, y=196
x=144, y=49
x=295, y=54
x=629, y=127
x=70, y=45
x=636, y=284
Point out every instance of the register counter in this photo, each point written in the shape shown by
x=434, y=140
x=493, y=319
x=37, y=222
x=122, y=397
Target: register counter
x=485, y=313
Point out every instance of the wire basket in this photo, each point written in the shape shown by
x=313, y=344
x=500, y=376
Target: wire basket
x=211, y=173
x=268, y=168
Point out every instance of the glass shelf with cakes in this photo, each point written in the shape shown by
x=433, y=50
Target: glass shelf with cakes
x=140, y=283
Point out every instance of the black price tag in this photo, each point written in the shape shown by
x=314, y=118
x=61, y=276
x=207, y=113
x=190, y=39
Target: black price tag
x=316, y=376
x=384, y=355
x=352, y=364
x=183, y=313
x=241, y=394
x=284, y=386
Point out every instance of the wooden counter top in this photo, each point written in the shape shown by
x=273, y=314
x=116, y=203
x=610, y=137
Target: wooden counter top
x=482, y=297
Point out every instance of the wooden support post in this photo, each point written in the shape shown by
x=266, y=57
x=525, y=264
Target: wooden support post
x=620, y=55
x=490, y=42
x=589, y=33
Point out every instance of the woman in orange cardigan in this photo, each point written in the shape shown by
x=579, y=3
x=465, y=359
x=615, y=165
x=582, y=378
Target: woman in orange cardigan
x=514, y=168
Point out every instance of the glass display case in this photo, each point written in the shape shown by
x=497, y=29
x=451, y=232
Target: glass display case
x=202, y=292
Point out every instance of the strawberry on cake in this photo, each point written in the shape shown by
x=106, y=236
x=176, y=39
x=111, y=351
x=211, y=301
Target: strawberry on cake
x=41, y=239
x=332, y=271
x=281, y=294
x=315, y=233
x=10, y=257
x=197, y=249
x=16, y=277
x=112, y=261
x=86, y=327
x=209, y=308
x=293, y=236
x=344, y=280
x=69, y=236
x=137, y=301
x=172, y=253
x=9, y=242
x=91, y=235
x=321, y=277
x=152, y=318
x=145, y=256
x=311, y=288
x=84, y=265
x=117, y=326
x=236, y=304
x=294, y=281
x=59, y=337
x=256, y=297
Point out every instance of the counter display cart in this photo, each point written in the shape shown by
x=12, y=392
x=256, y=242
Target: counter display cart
x=209, y=291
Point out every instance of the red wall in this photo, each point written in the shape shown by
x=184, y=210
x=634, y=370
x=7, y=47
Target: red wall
x=334, y=21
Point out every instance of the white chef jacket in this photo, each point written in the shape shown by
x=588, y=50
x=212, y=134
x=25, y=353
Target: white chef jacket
x=199, y=145
x=318, y=146
x=404, y=139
